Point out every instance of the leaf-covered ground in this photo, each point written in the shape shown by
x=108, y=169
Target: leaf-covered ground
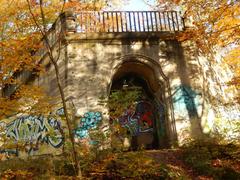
x=197, y=161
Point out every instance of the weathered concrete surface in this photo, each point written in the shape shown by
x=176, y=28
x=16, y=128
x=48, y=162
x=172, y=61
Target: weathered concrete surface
x=177, y=77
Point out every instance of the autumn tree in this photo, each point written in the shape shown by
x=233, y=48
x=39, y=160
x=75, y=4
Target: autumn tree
x=215, y=28
x=18, y=40
x=24, y=31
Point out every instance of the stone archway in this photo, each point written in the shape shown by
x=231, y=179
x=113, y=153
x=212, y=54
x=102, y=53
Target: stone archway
x=152, y=114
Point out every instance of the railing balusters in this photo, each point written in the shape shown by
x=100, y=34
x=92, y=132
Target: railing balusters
x=86, y=23
x=147, y=21
x=81, y=23
x=126, y=24
x=176, y=16
x=164, y=19
x=121, y=20
x=129, y=21
x=156, y=24
x=160, y=21
x=130, y=24
x=169, y=23
x=95, y=21
x=117, y=22
x=90, y=23
x=134, y=21
x=98, y=20
x=139, y=25
x=173, y=22
x=103, y=22
x=111, y=22
x=151, y=18
x=143, y=21
x=108, y=29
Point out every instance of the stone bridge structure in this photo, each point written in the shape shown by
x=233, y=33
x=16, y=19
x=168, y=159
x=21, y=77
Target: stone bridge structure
x=105, y=51
x=141, y=49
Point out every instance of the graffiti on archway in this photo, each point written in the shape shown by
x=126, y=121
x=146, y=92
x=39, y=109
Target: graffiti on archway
x=138, y=120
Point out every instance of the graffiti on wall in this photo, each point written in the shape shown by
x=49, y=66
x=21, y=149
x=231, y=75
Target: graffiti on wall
x=186, y=101
x=138, y=120
x=35, y=130
x=89, y=121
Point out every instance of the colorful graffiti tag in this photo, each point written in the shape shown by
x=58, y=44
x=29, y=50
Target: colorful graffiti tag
x=35, y=130
x=87, y=122
x=138, y=120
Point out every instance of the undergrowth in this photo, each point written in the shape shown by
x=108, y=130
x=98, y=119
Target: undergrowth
x=124, y=165
x=208, y=158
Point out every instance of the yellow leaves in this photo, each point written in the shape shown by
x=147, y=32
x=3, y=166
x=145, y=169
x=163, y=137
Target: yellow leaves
x=216, y=25
x=27, y=99
x=85, y=6
x=33, y=99
x=18, y=174
x=186, y=35
x=233, y=57
x=19, y=41
x=8, y=107
x=233, y=60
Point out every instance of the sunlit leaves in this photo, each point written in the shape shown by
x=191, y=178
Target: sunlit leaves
x=214, y=26
x=19, y=41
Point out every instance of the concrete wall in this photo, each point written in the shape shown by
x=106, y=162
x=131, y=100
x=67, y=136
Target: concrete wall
x=93, y=62
x=167, y=65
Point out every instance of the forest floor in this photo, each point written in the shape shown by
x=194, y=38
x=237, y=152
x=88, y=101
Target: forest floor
x=175, y=160
x=204, y=162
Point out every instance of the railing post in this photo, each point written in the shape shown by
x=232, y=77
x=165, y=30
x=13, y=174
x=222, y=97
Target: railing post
x=173, y=21
x=156, y=24
x=183, y=22
x=130, y=23
x=143, y=22
x=151, y=18
x=176, y=16
x=70, y=22
x=121, y=21
x=147, y=21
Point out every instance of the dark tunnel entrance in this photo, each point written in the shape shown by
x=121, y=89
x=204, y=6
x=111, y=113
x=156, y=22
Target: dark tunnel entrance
x=141, y=119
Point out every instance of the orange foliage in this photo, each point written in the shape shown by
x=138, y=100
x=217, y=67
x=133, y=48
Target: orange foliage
x=215, y=24
x=19, y=40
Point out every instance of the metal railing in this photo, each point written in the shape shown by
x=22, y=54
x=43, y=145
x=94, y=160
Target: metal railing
x=129, y=21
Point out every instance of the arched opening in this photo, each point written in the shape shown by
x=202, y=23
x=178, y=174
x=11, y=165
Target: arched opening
x=146, y=121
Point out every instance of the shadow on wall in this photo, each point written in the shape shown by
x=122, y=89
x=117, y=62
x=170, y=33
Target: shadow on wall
x=187, y=94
